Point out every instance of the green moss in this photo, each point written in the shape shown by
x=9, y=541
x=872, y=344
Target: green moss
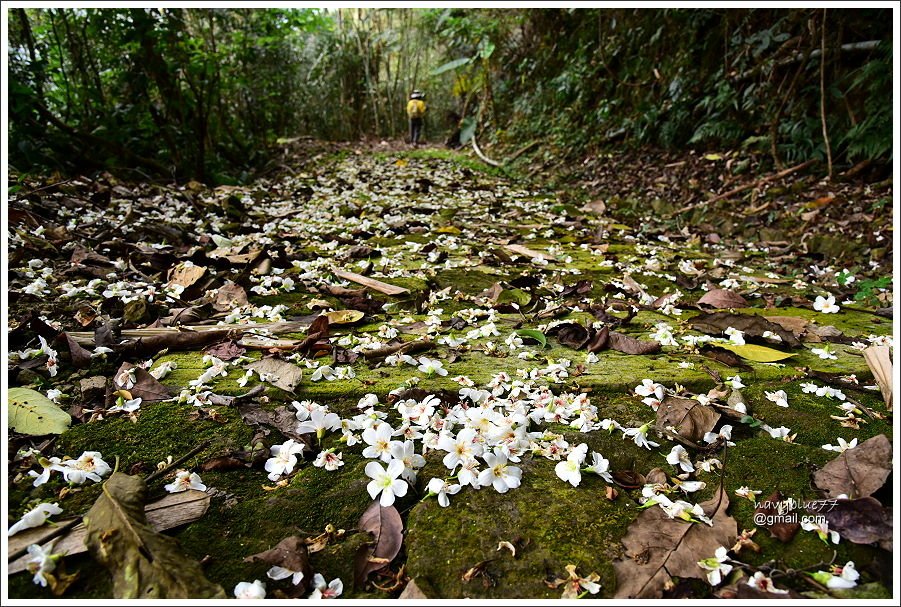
x=553, y=523
x=163, y=429
x=466, y=280
x=752, y=463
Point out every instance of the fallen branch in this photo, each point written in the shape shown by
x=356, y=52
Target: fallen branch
x=522, y=150
x=485, y=159
x=87, y=337
x=413, y=347
x=744, y=188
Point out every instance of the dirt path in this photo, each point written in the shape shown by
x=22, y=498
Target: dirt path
x=483, y=304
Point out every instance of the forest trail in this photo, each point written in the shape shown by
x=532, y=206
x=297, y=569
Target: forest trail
x=449, y=288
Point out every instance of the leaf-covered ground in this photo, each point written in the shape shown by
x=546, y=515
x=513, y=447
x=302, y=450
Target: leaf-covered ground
x=545, y=401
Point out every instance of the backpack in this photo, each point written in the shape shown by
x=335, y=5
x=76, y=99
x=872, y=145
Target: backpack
x=416, y=108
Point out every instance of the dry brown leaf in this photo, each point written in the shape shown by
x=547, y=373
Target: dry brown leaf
x=186, y=275
x=230, y=296
x=880, y=362
x=375, y=285
x=343, y=317
x=795, y=324
x=629, y=345
x=751, y=324
x=143, y=562
x=527, y=252
x=319, y=542
x=572, y=335
x=689, y=417
x=226, y=350
x=278, y=372
x=172, y=511
x=857, y=472
x=722, y=299
x=387, y=529
x=146, y=386
x=291, y=554
x=659, y=548
x=862, y=521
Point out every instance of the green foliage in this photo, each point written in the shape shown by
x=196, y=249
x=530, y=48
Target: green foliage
x=677, y=77
x=184, y=92
x=867, y=290
x=871, y=137
x=206, y=93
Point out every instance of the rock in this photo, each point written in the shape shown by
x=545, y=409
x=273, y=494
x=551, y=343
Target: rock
x=92, y=389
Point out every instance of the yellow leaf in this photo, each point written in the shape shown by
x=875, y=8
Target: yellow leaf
x=448, y=230
x=401, y=162
x=712, y=157
x=343, y=317
x=758, y=354
x=32, y=413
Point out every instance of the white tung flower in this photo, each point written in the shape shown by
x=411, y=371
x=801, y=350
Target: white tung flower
x=779, y=397
x=821, y=529
x=320, y=422
x=35, y=517
x=323, y=591
x=442, y=489
x=640, y=436
x=826, y=305
x=735, y=382
x=569, y=469
x=825, y=353
x=185, y=480
x=649, y=388
x=716, y=567
x=764, y=583
x=735, y=336
x=386, y=482
x=678, y=456
x=498, y=474
x=250, y=590
x=842, y=445
x=329, y=460
x=41, y=561
x=431, y=366
x=838, y=577
x=284, y=458
x=600, y=466
x=89, y=466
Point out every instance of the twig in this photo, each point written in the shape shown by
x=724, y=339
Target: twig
x=410, y=346
x=522, y=151
x=740, y=189
x=823, y=94
x=179, y=461
x=20, y=195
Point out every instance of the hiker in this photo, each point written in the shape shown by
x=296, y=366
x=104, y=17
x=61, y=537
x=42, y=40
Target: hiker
x=416, y=112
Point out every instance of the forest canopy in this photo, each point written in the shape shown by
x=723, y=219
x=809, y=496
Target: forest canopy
x=207, y=93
